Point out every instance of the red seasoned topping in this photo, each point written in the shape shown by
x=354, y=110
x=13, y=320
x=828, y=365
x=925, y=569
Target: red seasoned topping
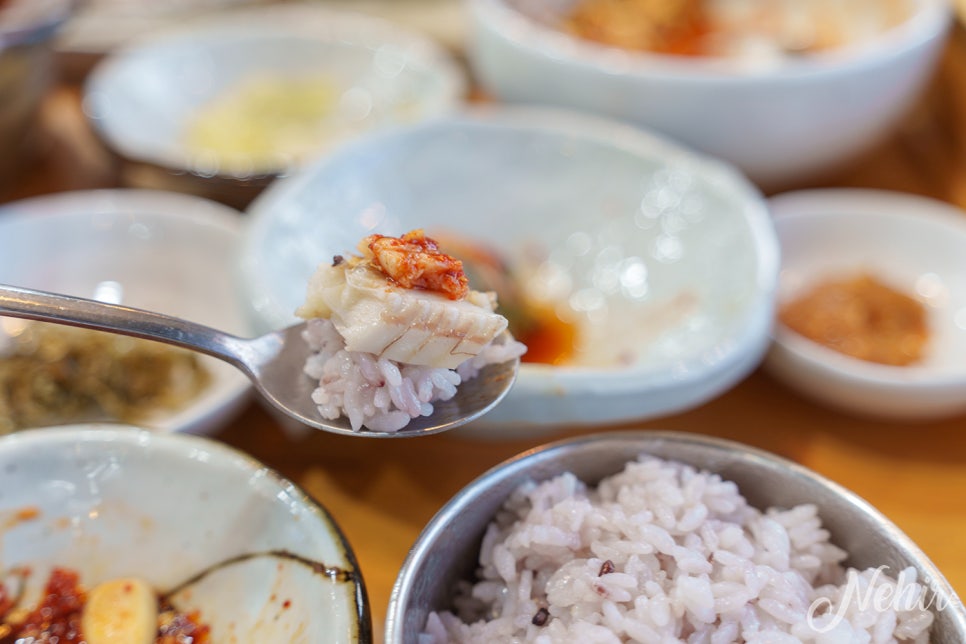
x=181, y=628
x=57, y=617
x=415, y=261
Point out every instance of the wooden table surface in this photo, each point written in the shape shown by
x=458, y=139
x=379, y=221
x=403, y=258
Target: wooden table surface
x=382, y=493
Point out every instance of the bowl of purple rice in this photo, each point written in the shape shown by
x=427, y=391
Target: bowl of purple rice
x=647, y=536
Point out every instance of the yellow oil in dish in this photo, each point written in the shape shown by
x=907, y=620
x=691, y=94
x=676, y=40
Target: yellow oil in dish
x=265, y=124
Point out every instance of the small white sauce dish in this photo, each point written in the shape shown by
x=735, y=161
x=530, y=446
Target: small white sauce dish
x=144, y=99
x=163, y=252
x=118, y=501
x=667, y=258
x=913, y=244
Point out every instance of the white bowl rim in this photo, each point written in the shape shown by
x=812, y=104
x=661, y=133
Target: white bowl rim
x=931, y=19
x=236, y=27
x=435, y=529
x=208, y=453
x=837, y=203
x=626, y=137
x=179, y=208
x=137, y=200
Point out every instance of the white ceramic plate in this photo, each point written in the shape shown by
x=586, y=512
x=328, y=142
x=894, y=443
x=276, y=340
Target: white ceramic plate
x=163, y=252
x=112, y=501
x=670, y=256
x=915, y=245
x=144, y=98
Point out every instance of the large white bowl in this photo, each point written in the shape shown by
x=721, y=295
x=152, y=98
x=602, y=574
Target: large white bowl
x=675, y=251
x=913, y=243
x=111, y=501
x=779, y=124
x=159, y=251
x=143, y=98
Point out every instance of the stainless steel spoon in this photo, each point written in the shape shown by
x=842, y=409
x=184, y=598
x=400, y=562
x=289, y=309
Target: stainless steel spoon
x=273, y=362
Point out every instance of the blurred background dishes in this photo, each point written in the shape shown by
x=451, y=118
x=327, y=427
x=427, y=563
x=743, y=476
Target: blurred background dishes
x=163, y=252
x=447, y=551
x=101, y=26
x=27, y=71
x=113, y=501
x=910, y=244
x=780, y=118
x=221, y=107
x=640, y=274
x=442, y=20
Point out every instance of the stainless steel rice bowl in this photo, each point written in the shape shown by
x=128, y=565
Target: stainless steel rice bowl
x=447, y=550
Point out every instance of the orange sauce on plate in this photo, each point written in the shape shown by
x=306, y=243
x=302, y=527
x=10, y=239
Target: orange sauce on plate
x=549, y=339
x=861, y=317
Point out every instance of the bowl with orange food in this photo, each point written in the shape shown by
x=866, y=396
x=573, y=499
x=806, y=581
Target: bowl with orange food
x=782, y=89
x=638, y=274
x=871, y=302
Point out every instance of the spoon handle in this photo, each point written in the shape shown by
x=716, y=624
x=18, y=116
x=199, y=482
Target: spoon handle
x=76, y=311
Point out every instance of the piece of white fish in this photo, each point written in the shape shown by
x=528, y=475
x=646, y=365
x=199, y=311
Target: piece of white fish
x=412, y=326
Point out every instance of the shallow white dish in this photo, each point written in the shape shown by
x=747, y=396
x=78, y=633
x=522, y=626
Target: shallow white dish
x=914, y=244
x=673, y=251
x=143, y=98
x=159, y=251
x=779, y=123
x=115, y=501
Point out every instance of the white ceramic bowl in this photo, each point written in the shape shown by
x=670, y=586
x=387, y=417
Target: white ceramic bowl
x=163, y=252
x=143, y=99
x=669, y=258
x=778, y=124
x=914, y=244
x=448, y=549
x=111, y=501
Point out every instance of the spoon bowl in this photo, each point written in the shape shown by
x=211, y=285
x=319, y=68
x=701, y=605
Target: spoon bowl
x=273, y=362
